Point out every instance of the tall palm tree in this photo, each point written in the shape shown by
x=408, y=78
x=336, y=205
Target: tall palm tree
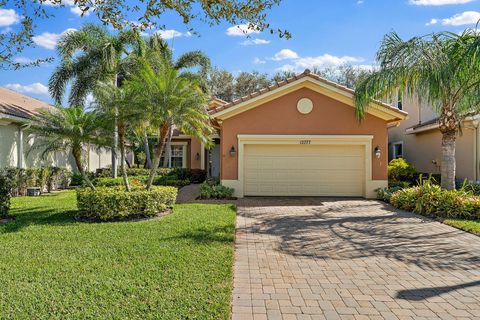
x=89, y=56
x=192, y=64
x=436, y=69
x=68, y=130
x=168, y=97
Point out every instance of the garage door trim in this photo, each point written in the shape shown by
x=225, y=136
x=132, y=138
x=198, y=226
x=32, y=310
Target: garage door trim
x=363, y=140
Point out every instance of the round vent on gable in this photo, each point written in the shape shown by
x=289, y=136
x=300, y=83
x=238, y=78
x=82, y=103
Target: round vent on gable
x=305, y=106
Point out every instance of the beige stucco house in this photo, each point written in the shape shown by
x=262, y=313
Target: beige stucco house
x=300, y=137
x=418, y=140
x=15, y=111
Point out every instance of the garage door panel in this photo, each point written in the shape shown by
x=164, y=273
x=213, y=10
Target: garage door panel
x=304, y=170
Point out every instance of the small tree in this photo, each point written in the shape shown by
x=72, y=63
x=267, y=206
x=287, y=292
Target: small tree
x=169, y=97
x=441, y=69
x=68, y=130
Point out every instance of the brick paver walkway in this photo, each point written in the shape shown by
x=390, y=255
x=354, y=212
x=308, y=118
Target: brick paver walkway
x=350, y=259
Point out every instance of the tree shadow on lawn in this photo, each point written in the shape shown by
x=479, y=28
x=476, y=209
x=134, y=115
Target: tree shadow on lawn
x=223, y=234
x=25, y=217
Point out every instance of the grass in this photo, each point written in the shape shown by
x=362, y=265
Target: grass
x=472, y=226
x=176, y=267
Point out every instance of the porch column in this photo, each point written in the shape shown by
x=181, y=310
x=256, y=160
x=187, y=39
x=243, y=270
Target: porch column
x=202, y=156
x=20, y=148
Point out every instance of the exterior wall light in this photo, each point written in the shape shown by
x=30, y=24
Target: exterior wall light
x=233, y=152
x=378, y=152
x=197, y=156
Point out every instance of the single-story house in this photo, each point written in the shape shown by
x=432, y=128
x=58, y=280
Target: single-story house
x=15, y=111
x=419, y=141
x=299, y=137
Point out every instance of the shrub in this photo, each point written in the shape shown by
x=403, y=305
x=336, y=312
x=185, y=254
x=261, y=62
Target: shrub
x=430, y=199
x=211, y=190
x=113, y=182
x=401, y=173
x=194, y=175
x=173, y=181
x=132, y=172
x=385, y=194
x=107, y=204
x=6, y=186
x=77, y=179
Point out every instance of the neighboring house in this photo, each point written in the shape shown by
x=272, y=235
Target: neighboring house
x=299, y=137
x=15, y=111
x=419, y=141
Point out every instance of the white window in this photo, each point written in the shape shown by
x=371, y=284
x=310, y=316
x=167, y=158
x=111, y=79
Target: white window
x=178, y=156
x=397, y=149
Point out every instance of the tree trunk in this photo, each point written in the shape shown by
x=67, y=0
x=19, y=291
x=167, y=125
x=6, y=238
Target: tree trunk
x=115, y=138
x=121, y=140
x=168, y=148
x=448, y=160
x=77, y=155
x=158, y=154
x=448, y=128
x=146, y=145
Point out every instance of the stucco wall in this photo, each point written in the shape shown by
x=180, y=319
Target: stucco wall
x=8, y=145
x=423, y=149
x=280, y=116
x=9, y=142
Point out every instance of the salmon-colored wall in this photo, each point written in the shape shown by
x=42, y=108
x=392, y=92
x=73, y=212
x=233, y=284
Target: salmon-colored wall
x=281, y=117
x=195, y=147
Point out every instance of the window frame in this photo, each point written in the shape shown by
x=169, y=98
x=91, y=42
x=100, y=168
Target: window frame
x=183, y=144
x=394, y=150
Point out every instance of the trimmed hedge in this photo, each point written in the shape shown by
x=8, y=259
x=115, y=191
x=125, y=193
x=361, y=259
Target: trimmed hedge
x=108, y=204
x=6, y=186
x=193, y=175
x=114, y=182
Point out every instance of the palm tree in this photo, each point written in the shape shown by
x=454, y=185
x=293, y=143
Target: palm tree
x=192, y=64
x=113, y=103
x=168, y=97
x=68, y=130
x=89, y=56
x=436, y=69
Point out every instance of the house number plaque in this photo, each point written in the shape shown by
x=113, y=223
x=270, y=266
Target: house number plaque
x=305, y=141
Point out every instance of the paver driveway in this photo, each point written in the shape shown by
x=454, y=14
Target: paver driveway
x=354, y=259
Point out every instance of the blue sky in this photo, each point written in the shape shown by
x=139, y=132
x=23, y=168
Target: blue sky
x=324, y=33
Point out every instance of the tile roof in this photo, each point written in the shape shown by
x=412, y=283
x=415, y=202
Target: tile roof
x=306, y=73
x=18, y=105
x=424, y=124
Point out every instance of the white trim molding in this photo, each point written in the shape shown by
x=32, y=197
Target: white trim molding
x=362, y=140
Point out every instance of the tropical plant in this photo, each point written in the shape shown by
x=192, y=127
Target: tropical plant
x=90, y=56
x=169, y=97
x=439, y=70
x=68, y=130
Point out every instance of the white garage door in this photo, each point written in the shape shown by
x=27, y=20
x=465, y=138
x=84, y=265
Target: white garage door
x=304, y=170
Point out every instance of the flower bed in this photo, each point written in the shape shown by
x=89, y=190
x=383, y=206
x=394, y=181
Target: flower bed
x=107, y=204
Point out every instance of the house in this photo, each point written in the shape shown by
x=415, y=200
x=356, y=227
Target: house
x=15, y=111
x=419, y=141
x=299, y=137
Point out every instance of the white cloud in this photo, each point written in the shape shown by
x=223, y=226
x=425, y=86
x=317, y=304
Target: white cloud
x=8, y=17
x=76, y=10
x=49, y=40
x=327, y=60
x=360, y=2
x=467, y=17
x=259, y=61
x=438, y=2
x=252, y=42
x=241, y=30
x=23, y=60
x=169, y=34
x=432, y=22
x=34, y=88
x=285, y=54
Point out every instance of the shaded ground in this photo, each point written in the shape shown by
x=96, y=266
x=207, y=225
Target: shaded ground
x=308, y=258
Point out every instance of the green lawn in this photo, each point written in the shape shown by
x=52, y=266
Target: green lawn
x=472, y=226
x=175, y=267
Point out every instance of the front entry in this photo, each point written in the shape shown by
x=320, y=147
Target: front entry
x=214, y=161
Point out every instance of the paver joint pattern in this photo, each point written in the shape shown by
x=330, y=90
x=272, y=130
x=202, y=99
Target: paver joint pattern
x=311, y=258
